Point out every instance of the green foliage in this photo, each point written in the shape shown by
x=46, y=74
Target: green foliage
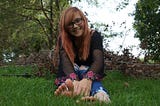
x=29, y=25
x=32, y=25
x=122, y=5
x=147, y=25
x=25, y=41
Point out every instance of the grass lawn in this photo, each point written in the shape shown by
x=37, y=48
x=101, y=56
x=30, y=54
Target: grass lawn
x=124, y=91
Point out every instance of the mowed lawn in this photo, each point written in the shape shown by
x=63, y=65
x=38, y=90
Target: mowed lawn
x=124, y=90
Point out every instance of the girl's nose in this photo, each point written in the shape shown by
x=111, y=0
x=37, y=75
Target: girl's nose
x=75, y=26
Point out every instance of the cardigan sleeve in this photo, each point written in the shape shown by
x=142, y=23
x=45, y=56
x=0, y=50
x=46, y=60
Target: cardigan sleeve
x=97, y=65
x=66, y=68
x=65, y=64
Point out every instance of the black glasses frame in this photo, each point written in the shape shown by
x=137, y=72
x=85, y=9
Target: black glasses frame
x=77, y=21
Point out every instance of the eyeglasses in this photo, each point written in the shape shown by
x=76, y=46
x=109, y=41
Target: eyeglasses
x=77, y=21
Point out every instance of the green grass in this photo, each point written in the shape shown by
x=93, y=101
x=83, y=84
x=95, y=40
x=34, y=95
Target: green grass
x=139, y=92
x=17, y=91
x=12, y=69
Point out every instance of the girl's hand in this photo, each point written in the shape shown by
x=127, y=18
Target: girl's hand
x=82, y=87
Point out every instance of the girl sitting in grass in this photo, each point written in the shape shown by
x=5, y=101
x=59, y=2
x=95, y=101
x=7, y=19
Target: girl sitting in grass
x=81, y=65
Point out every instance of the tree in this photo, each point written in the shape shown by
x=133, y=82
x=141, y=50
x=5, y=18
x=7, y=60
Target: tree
x=29, y=25
x=147, y=19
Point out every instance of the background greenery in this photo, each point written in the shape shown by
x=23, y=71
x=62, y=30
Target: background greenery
x=147, y=25
x=28, y=26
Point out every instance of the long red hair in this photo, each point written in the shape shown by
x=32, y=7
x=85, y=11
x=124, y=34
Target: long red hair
x=65, y=37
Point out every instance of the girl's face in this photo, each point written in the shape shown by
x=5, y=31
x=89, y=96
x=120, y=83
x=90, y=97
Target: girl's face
x=76, y=26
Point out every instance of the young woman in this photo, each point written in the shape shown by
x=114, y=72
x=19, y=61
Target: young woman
x=81, y=65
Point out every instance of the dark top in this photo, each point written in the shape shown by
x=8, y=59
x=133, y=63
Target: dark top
x=95, y=59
